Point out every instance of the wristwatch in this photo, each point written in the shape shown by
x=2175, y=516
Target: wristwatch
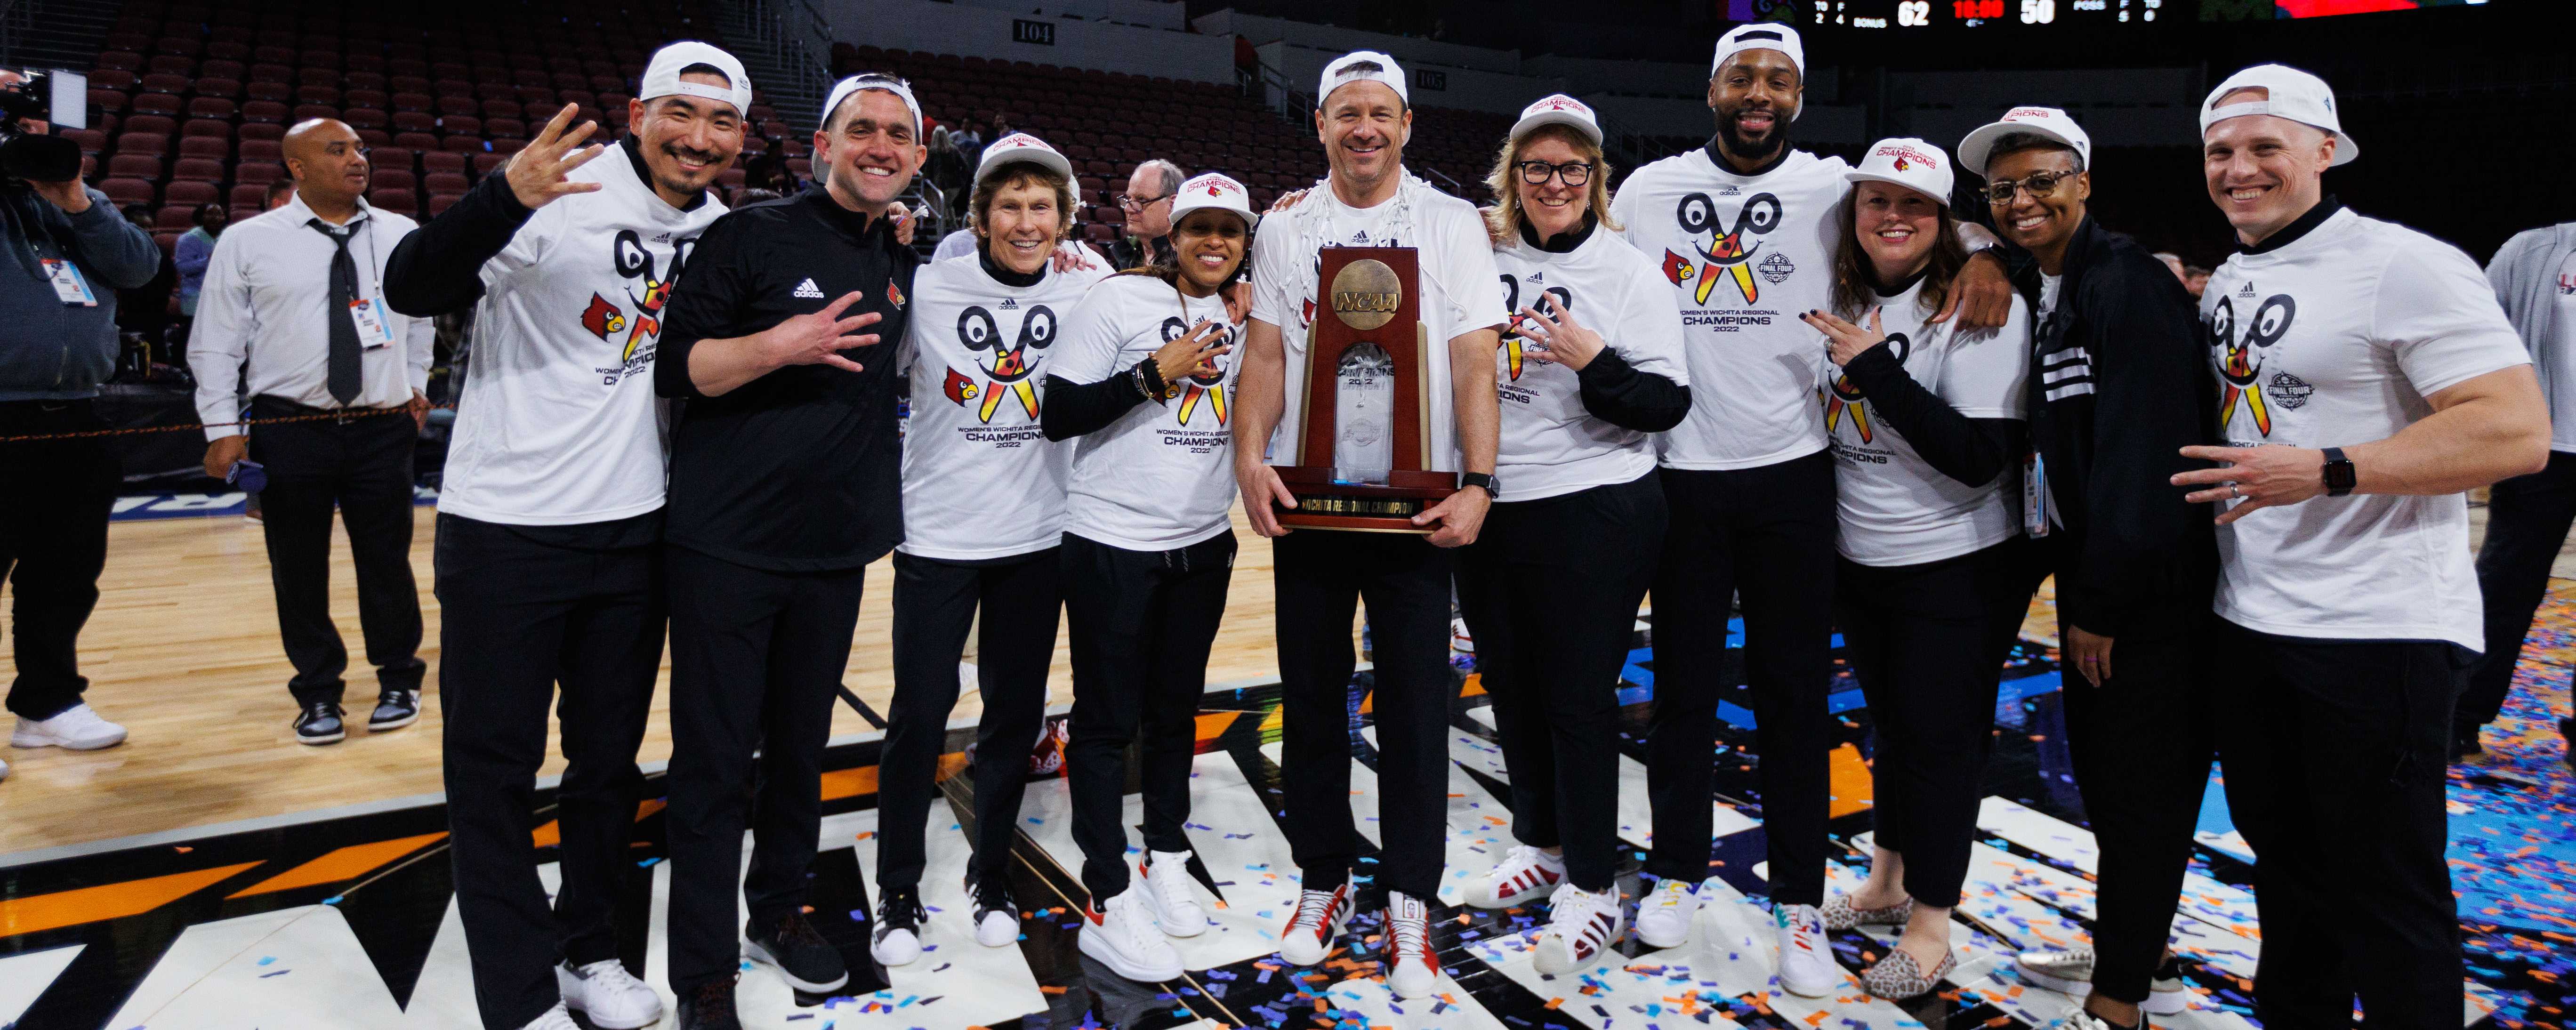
x=2339, y=473
x=1479, y=479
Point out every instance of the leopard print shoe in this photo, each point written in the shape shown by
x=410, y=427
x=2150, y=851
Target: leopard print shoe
x=1898, y=976
x=1840, y=914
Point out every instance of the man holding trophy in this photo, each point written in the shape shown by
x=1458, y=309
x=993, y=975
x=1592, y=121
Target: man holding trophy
x=1377, y=467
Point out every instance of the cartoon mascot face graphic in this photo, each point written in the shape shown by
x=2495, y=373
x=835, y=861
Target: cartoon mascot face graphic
x=647, y=292
x=1006, y=368
x=2240, y=361
x=1729, y=251
x=1842, y=396
x=1206, y=386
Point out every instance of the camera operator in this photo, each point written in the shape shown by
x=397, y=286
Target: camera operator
x=66, y=254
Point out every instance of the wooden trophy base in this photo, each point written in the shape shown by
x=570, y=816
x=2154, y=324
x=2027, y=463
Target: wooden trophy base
x=1365, y=508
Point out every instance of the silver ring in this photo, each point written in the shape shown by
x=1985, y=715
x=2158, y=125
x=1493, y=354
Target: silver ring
x=2235, y=493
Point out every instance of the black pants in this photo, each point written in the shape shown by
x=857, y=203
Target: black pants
x=363, y=465
x=2527, y=521
x=2335, y=773
x=934, y=604
x=1550, y=591
x=2142, y=744
x=53, y=542
x=1143, y=622
x=1768, y=532
x=1919, y=637
x=1321, y=575
x=756, y=660
x=523, y=610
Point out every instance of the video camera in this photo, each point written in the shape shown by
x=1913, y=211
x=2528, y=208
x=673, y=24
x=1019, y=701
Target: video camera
x=39, y=96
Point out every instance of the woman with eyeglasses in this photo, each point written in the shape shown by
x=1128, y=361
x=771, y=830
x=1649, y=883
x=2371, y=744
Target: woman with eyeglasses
x=1925, y=423
x=1590, y=364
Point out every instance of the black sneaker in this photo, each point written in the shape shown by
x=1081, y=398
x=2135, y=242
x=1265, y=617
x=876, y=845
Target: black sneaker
x=710, y=1007
x=896, y=939
x=2464, y=742
x=997, y=918
x=319, y=724
x=807, y=961
x=395, y=709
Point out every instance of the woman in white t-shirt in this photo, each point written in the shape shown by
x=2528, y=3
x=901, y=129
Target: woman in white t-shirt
x=1589, y=366
x=1925, y=423
x=1144, y=382
x=983, y=507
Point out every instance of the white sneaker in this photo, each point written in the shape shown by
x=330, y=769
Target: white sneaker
x=2070, y=971
x=1167, y=882
x=896, y=939
x=1412, y=971
x=608, y=994
x=77, y=728
x=997, y=918
x=1807, y=967
x=1664, y=915
x=1523, y=876
x=1125, y=938
x=1582, y=926
x=1321, y=916
x=555, y=1019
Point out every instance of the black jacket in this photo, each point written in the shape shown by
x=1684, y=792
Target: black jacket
x=801, y=469
x=2119, y=384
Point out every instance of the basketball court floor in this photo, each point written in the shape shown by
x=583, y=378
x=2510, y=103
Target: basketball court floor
x=212, y=875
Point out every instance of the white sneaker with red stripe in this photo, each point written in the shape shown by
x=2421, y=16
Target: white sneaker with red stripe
x=1412, y=971
x=1807, y=967
x=1121, y=934
x=1321, y=916
x=1167, y=892
x=1523, y=876
x=1581, y=927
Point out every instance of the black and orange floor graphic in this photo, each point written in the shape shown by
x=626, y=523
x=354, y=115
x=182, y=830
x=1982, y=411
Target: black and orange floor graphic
x=348, y=921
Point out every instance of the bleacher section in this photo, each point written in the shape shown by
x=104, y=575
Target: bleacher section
x=1107, y=122
x=188, y=101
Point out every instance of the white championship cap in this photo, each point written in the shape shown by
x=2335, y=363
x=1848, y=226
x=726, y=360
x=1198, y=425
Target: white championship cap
x=1908, y=162
x=662, y=75
x=1559, y=109
x=1340, y=73
x=1760, y=35
x=1213, y=189
x=1021, y=147
x=2043, y=122
x=2295, y=95
x=875, y=80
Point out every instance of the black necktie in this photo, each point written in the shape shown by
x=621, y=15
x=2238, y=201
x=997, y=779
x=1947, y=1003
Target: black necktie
x=344, y=378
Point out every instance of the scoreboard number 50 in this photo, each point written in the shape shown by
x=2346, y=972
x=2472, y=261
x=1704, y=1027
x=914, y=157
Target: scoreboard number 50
x=2038, y=12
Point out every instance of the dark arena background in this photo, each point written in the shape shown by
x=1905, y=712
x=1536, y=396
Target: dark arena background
x=211, y=874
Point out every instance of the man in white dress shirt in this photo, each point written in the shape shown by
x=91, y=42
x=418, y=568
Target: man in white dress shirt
x=295, y=297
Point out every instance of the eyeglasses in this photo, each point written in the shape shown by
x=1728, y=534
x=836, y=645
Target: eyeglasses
x=1536, y=173
x=2040, y=184
x=1136, y=204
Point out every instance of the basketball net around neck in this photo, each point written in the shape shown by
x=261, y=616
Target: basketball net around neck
x=1314, y=222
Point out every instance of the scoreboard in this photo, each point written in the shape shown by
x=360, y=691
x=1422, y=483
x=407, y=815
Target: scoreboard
x=1907, y=14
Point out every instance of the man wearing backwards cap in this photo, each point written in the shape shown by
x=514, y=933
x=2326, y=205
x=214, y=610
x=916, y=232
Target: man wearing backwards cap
x=784, y=486
x=2115, y=348
x=550, y=522
x=1363, y=121
x=1744, y=229
x=2368, y=378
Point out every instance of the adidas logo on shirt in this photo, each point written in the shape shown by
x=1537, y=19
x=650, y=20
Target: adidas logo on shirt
x=1360, y=238
x=1538, y=278
x=808, y=289
x=2248, y=291
x=1010, y=304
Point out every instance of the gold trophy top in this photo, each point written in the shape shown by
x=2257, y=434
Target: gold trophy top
x=1366, y=294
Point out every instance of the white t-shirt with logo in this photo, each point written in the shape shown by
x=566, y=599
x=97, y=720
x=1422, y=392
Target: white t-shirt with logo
x=1460, y=294
x=980, y=479
x=2562, y=406
x=1550, y=445
x=1895, y=509
x=1162, y=475
x=557, y=423
x=2332, y=340
x=1744, y=255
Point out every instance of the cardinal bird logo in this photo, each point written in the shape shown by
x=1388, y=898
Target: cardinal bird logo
x=602, y=318
x=1729, y=251
x=1009, y=369
x=1677, y=269
x=1902, y=166
x=959, y=388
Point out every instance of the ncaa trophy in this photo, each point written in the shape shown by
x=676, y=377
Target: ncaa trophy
x=1363, y=457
